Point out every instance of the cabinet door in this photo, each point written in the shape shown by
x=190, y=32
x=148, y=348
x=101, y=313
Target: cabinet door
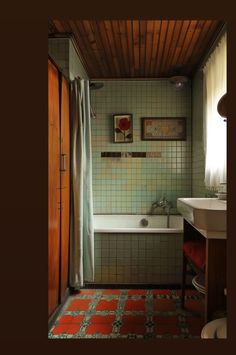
x=65, y=186
x=53, y=187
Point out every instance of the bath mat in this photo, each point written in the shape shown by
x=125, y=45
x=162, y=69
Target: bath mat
x=130, y=313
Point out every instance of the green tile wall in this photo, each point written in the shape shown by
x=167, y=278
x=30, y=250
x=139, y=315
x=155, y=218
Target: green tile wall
x=131, y=185
x=58, y=49
x=63, y=51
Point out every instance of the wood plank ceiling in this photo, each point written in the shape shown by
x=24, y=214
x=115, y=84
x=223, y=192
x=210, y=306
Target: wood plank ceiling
x=139, y=48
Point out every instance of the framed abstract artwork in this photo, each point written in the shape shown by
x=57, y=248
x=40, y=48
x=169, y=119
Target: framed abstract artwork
x=123, y=128
x=163, y=128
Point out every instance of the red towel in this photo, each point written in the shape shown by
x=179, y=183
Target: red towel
x=196, y=251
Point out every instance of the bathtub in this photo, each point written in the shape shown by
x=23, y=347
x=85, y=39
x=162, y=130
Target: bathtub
x=157, y=224
x=127, y=252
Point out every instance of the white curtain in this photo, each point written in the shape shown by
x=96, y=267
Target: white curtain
x=81, y=226
x=215, y=86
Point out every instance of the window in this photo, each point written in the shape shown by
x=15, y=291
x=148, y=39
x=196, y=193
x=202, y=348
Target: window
x=215, y=87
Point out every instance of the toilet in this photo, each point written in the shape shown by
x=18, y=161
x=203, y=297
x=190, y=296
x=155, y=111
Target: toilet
x=216, y=329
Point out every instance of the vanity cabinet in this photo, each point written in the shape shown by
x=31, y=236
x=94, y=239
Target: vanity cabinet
x=215, y=270
x=58, y=186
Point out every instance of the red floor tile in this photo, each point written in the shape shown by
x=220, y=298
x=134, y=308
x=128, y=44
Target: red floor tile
x=163, y=305
x=168, y=329
x=165, y=320
x=71, y=319
x=103, y=328
x=111, y=292
x=66, y=328
x=161, y=292
x=137, y=292
x=166, y=325
x=102, y=319
x=195, y=325
x=188, y=292
x=87, y=292
x=133, y=328
x=135, y=305
x=133, y=319
x=131, y=323
x=194, y=306
x=79, y=305
x=105, y=305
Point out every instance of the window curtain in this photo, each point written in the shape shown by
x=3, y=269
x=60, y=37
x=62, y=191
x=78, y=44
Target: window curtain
x=215, y=86
x=81, y=224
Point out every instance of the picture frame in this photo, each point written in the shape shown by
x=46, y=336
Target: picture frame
x=123, y=128
x=163, y=128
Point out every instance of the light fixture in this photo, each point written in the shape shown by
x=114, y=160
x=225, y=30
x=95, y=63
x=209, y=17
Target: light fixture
x=221, y=107
x=178, y=81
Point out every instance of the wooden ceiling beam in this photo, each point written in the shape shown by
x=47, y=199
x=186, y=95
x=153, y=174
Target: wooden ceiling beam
x=139, y=48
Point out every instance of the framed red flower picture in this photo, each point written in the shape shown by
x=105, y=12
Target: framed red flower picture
x=123, y=128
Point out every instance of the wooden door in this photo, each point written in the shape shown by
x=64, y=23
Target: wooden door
x=65, y=187
x=53, y=187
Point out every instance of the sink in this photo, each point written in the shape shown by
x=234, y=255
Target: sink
x=206, y=214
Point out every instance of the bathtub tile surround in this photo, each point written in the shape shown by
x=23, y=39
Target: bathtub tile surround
x=138, y=258
x=130, y=314
x=123, y=184
x=130, y=252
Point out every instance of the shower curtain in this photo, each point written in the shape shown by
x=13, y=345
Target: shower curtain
x=81, y=223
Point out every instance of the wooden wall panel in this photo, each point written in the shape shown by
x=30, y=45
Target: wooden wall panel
x=65, y=187
x=53, y=188
x=58, y=187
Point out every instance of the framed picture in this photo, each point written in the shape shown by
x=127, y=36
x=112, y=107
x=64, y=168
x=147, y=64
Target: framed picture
x=123, y=128
x=163, y=128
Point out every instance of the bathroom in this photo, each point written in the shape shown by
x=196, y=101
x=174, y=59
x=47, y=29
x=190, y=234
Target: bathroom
x=135, y=182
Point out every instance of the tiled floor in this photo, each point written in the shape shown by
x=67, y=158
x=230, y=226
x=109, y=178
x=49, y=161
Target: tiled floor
x=130, y=314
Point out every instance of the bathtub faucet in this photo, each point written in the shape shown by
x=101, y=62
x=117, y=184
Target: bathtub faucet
x=163, y=203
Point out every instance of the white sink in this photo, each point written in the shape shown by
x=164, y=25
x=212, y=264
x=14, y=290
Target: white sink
x=206, y=214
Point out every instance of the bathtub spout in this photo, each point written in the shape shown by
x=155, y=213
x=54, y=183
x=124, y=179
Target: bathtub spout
x=168, y=218
x=169, y=205
x=153, y=207
x=166, y=206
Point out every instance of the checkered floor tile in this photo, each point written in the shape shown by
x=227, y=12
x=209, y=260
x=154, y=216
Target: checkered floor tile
x=130, y=314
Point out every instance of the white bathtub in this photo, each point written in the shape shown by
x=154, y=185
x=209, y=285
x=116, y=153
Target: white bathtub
x=132, y=224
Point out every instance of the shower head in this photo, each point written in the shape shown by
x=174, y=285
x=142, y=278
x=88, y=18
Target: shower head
x=95, y=86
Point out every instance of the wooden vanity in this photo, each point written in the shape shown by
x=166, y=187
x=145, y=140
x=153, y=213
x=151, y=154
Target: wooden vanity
x=205, y=220
x=215, y=270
